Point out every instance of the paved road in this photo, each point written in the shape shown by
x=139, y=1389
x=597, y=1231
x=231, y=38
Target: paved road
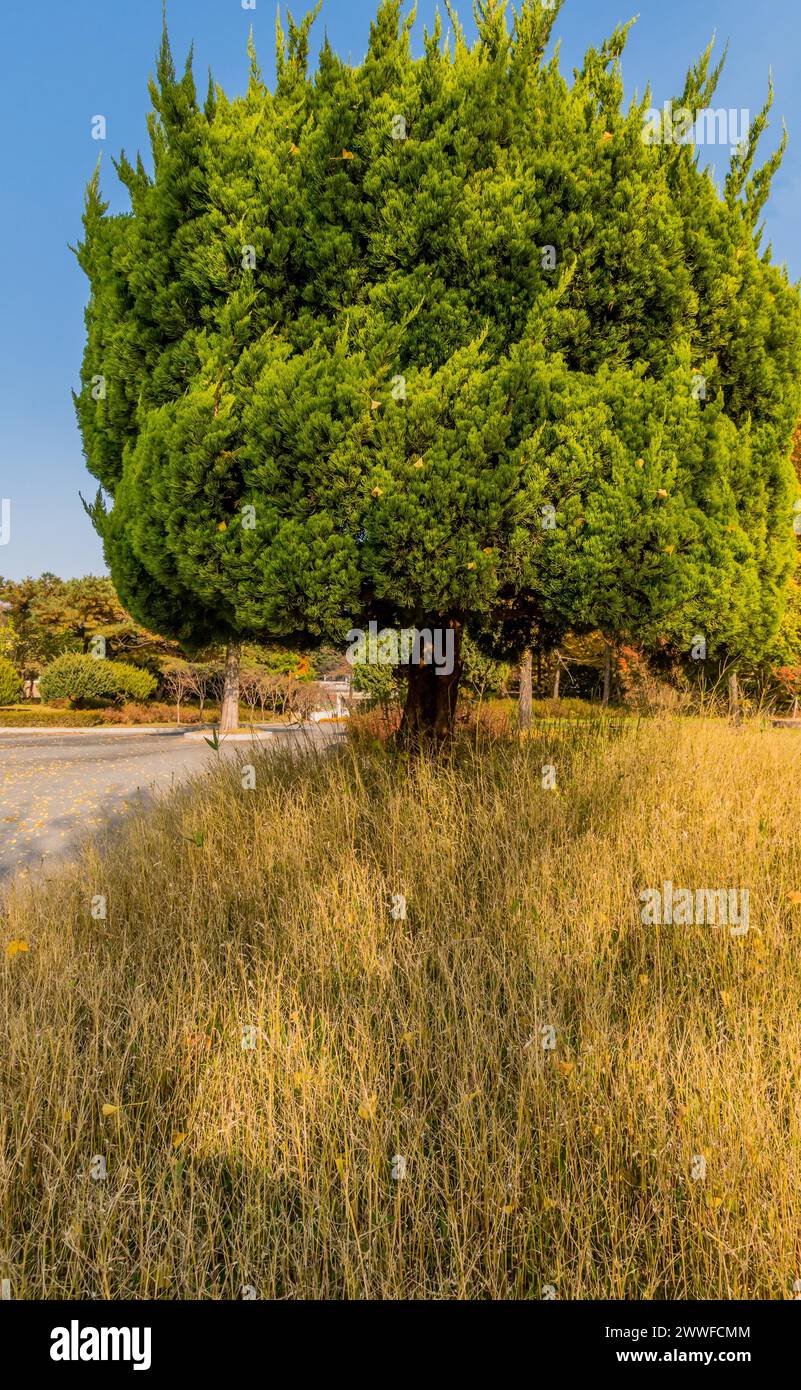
x=54, y=788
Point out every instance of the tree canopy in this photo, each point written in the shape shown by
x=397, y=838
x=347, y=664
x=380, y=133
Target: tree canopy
x=439, y=341
x=49, y=616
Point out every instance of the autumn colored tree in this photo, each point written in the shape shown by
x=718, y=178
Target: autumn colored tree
x=445, y=343
x=49, y=616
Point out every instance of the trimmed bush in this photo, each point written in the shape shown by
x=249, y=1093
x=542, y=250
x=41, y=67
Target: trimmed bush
x=75, y=677
x=131, y=682
x=10, y=683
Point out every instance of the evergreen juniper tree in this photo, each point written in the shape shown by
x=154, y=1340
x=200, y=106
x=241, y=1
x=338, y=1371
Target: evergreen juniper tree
x=439, y=342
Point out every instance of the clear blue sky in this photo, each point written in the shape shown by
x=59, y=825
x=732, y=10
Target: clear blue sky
x=68, y=60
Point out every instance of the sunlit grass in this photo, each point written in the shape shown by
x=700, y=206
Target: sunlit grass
x=230, y=910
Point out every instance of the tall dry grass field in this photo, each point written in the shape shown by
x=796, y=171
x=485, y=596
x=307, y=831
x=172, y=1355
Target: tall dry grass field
x=250, y=1038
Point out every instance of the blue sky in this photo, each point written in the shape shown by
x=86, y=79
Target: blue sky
x=67, y=62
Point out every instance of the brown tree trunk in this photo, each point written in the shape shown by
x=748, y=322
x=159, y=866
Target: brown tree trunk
x=430, y=710
x=524, y=695
x=557, y=674
x=734, y=698
x=229, y=715
x=607, y=672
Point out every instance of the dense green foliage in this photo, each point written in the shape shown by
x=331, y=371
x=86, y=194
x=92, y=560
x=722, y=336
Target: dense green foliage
x=482, y=675
x=129, y=682
x=76, y=677
x=10, y=683
x=342, y=375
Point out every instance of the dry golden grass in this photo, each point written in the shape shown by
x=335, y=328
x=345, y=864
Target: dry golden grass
x=271, y=1167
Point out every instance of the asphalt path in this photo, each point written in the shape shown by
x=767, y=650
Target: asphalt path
x=55, y=788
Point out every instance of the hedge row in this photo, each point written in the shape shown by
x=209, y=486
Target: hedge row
x=57, y=718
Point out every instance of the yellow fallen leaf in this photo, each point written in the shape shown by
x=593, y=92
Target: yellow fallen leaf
x=725, y=996
x=346, y=154
x=110, y=1109
x=375, y=405
x=15, y=948
x=222, y=526
x=794, y=896
x=419, y=463
x=661, y=492
x=293, y=149
x=508, y=1210
x=377, y=492
x=669, y=549
x=607, y=135
x=178, y=1138
x=566, y=1068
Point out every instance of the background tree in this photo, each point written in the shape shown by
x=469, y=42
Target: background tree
x=76, y=610
x=482, y=675
x=250, y=690
x=35, y=642
x=9, y=638
x=49, y=616
x=360, y=337
x=207, y=680
x=178, y=681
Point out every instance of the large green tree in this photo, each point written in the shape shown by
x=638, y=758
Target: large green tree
x=441, y=342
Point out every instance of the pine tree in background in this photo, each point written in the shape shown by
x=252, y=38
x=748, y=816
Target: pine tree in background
x=443, y=343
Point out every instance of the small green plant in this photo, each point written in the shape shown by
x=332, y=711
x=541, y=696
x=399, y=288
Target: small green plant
x=10, y=683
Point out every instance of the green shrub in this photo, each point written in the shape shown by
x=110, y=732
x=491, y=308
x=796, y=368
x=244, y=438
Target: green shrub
x=131, y=682
x=75, y=677
x=10, y=683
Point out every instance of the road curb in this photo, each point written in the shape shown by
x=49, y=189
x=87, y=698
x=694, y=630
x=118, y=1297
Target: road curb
x=188, y=731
